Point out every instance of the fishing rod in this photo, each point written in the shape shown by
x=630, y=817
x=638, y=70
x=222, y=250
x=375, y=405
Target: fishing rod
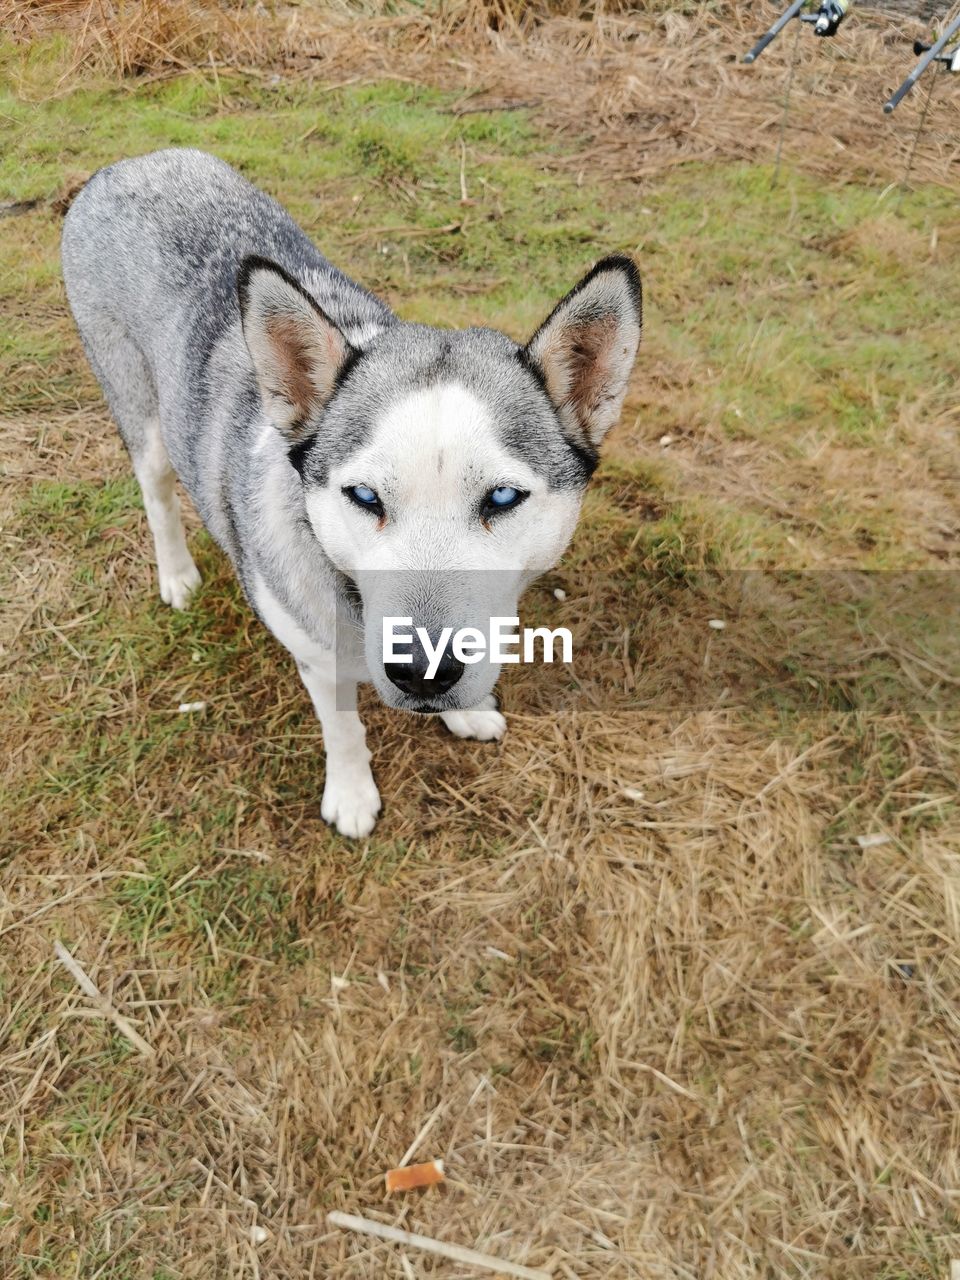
x=826, y=20
x=936, y=52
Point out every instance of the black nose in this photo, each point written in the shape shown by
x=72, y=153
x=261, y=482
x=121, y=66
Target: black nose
x=411, y=677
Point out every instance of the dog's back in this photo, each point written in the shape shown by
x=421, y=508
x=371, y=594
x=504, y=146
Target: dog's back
x=151, y=251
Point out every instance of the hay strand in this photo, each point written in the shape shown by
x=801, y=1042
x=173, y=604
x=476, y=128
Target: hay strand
x=90, y=989
x=452, y=1252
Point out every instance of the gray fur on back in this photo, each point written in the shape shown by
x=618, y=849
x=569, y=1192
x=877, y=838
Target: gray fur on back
x=151, y=251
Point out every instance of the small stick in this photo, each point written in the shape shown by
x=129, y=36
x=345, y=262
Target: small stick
x=424, y=1130
x=491, y=106
x=453, y=1252
x=464, y=197
x=89, y=988
x=408, y=232
x=216, y=80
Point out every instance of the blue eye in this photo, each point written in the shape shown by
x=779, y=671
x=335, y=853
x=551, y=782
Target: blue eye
x=502, y=498
x=364, y=497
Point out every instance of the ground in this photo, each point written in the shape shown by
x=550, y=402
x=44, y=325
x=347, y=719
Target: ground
x=668, y=978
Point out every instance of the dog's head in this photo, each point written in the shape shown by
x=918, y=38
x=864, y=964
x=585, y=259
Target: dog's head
x=442, y=470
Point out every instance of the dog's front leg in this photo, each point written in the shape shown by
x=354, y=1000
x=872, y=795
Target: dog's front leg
x=351, y=800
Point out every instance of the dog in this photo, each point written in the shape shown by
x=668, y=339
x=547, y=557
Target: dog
x=353, y=466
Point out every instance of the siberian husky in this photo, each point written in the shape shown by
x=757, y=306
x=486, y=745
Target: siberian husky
x=350, y=464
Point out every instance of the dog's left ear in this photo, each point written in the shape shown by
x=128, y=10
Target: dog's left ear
x=586, y=347
x=297, y=351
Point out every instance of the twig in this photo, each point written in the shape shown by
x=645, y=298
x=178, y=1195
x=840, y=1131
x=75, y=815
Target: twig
x=411, y=1151
x=492, y=106
x=89, y=988
x=10, y=208
x=216, y=81
x=406, y=232
x=454, y=1252
x=464, y=195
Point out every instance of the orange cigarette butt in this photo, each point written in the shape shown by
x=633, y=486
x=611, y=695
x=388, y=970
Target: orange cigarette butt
x=415, y=1175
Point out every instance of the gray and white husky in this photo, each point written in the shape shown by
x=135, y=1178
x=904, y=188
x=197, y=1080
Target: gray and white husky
x=351, y=465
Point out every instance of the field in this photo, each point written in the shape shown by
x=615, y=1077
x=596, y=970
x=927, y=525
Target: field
x=670, y=977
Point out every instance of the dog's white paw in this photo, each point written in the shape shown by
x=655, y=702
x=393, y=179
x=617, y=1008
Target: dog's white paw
x=483, y=722
x=351, y=803
x=177, y=585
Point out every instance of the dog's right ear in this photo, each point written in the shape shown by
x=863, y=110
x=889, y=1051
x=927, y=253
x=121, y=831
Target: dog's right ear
x=297, y=351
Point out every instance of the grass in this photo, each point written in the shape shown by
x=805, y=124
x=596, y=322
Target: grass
x=668, y=1014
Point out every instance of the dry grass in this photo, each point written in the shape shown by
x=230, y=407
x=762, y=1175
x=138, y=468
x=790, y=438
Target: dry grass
x=630, y=974
x=643, y=87
x=694, y=1032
